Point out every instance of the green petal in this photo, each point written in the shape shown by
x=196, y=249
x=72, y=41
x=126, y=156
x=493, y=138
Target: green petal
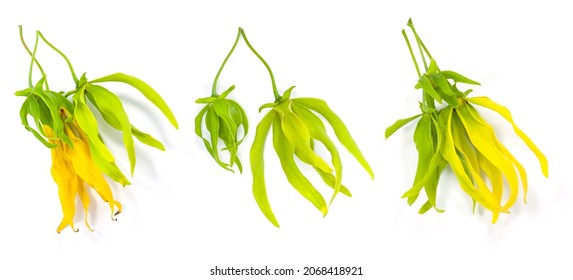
x=431, y=187
x=317, y=131
x=145, y=89
x=426, y=149
x=429, y=89
x=258, y=167
x=88, y=124
x=458, y=78
x=442, y=83
x=285, y=152
x=206, y=100
x=113, y=113
x=25, y=109
x=212, y=124
x=146, y=138
x=108, y=167
x=398, y=124
x=297, y=133
x=227, y=128
x=339, y=128
x=199, y=128
x=240, y=118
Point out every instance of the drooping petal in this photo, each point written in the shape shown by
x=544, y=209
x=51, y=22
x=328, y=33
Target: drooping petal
x=85, y=199
x=258, y=166
x=317, y=131
x=504, y=112
x=449, y=153
x=87, y=124
x=147, y=139
x=212, y=124
x=80, y=158
x=297, y=134
x=426, y=149
x=495, y=178
x=468, y=157
x=111, y=109
x=285, y=152
x=145, y=89
x=227, y=128
x=199, y=128
x=240, y=118
x=339, y=128
x=67, y=181
x=483, y=138
x=434, y=168
x=437, y=165
x=506, y=153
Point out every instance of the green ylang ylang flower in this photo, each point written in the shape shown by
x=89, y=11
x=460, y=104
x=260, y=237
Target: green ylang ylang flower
x=65, y=123
x=223, y=119
x=297, y=128
x=457, y=136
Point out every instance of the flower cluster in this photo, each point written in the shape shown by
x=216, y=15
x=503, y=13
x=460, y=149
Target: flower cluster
x=457, y=136
x=223, y=118
x=296, y=127
x=80, y=158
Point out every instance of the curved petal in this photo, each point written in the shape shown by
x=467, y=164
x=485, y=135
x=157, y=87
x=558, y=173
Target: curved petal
x=339, y=128
x=285, y=152
x=504, y=112
x=258, y=167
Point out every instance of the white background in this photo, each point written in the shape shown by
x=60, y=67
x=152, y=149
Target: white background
x=184, y=215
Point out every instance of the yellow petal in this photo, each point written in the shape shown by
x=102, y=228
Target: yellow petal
x=66, y=179
x=85, y=199
x=483, y=138
x=504, y=112
x=80, y=158
x=449, y=153
x=496, y=179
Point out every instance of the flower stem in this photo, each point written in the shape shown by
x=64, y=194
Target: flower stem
x=411, y=53
x=428, y=100
x=275, y=91
x=419, y=41
x=33, y=59
x=214, y=89
x=63, y=55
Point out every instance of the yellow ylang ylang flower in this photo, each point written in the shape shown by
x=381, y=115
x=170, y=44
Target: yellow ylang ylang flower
x=296, y=129
x=72, y=169
x=80, y=158
x=223, y=118
x=457, y=136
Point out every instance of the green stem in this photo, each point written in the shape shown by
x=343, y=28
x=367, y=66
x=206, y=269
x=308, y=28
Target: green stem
x=214, y=89
x=428, y=100
x=418, y=40
x=33, y=59
x=275, y=91
x=32, y=63
x=76, y=81
x=411, y=53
